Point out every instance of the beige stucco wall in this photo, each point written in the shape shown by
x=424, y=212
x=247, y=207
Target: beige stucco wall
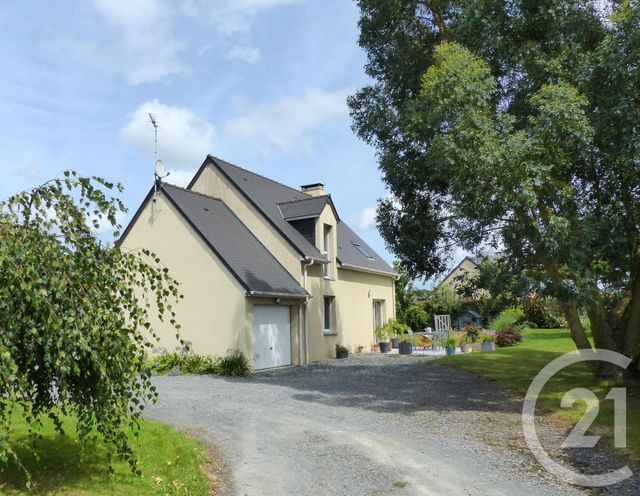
x=213, y=313
x=211, y=182
x=465, y=267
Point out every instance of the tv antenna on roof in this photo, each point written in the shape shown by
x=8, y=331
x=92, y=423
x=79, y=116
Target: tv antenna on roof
x=159, y=170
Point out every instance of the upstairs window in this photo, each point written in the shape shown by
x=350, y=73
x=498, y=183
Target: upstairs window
x=328, y=241
x=362, y=250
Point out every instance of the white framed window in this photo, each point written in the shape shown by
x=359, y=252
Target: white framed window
x=329, y=325
x=327, y=251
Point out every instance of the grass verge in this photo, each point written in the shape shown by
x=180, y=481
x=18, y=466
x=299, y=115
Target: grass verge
x=516, y=367
x=171, y=463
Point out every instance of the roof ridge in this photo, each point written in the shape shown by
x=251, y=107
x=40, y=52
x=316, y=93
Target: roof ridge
x=305, y=199
x=191, y=191
x=260, y=175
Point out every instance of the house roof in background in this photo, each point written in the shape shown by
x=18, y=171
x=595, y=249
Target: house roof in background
x=268, y=196
x=257, y=270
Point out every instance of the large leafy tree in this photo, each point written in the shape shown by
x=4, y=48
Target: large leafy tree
x=72, y=308
x=513, y=124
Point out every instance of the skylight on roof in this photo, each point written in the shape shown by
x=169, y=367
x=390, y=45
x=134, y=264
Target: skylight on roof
x=362, y=250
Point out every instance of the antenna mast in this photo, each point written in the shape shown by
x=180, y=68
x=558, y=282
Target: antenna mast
x=154, y=122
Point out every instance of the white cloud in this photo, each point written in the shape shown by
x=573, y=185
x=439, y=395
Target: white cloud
x=285, y=122
x=367, y=219
x=180, y=177
x=231, y=16
x=146, y=51
x=184, y=138
x=246, y=53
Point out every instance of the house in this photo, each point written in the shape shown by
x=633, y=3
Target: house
x=467, y=267
x=264, y=268
x=468, y=317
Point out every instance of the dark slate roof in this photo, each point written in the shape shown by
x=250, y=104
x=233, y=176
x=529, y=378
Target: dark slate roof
x=305, y=208
x=242, y=253
x=268, y=196
x=349, y=255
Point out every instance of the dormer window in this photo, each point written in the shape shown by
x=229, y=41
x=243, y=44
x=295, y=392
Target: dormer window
x=362, y=250
x=328, y=242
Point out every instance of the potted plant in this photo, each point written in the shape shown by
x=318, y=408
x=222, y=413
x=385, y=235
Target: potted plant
x=487, y=342
x=406, y=345
x=396, y=329
x=450, y=344
x=382, y=334
x=341, y=351
x=465, y=345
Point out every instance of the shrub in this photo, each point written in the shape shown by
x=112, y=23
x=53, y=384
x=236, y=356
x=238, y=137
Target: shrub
x=234, y=364
x=395, y=328
x=383, y=333
x=199, y=364
x=472, y=332
x=542, y=312
x=341, y=349
x=452, y=340
x=415, y=317
x=443, y=300
x=487, y=338
x=510, y=317
x=165, y=363
x=509, y=336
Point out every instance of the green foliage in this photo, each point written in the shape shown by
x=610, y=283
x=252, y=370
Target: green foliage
x=466, y=108
x=472, y=333
x=509, y=336
x=234, y=364
x=510, y=317
x=383, y=333
x=487, y=338
x=405, y=290
x=415, y=317
x=61, y=465
x=443, y=300
x=340, y=350
x=451, y=341
x=71, y=315
x=542, y=312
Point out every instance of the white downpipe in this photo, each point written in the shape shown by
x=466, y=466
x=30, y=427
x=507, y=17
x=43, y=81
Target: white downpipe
x=300, y=334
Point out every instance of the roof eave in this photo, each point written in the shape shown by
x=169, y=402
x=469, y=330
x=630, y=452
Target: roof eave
x=269, y=294
x=360, y=268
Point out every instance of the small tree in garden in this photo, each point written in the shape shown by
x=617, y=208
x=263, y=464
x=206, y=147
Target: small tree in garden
x=415, y=317
x=405, y=290
x=71, y=314
x=513, y=125
x=443, y=300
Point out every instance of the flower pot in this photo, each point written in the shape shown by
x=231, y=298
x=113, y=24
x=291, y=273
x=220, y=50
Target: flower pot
x=384, y=347
x=405, y=348
x=490, y=346
x=465, y=348
x=475, y=347
x=450, y=350
x=395, y=342
x=342, y=354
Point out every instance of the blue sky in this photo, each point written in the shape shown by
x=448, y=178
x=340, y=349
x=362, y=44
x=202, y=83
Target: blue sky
x=260, y=83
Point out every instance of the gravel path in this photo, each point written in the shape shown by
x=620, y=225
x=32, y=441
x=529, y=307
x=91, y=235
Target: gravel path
x=367, y=425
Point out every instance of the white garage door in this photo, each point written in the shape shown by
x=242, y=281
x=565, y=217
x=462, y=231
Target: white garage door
x=271, y=336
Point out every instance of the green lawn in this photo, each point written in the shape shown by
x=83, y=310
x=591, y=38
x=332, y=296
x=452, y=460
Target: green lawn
x=171, y=463
x=516, y=367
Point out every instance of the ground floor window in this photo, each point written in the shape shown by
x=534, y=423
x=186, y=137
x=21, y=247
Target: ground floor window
x=329, y=327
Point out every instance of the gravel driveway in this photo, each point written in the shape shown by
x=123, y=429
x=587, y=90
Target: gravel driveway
x=367, y=425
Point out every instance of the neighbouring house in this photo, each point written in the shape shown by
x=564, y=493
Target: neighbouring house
x=468, y=317
x=467, y=267
x=264, y=268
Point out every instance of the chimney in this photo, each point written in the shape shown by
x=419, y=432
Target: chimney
x=315, y=189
